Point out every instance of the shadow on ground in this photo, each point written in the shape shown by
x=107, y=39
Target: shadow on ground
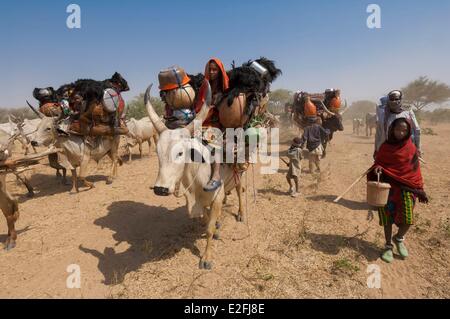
x=153, y=233
x=3, y=237
x=354, y=205
x=333, y=244
x=48, y=185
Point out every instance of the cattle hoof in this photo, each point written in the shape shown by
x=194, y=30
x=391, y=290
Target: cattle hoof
x=218, y=225
x=89, y=185
x=207, y=265
x=10, y=244
x=109, y=181
x=240, y=218
x=216, y=236
x=30, y=195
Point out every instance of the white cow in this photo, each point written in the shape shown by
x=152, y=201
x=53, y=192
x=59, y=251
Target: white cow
x=76, y=151
x=174, y=150
x=22, y=129
x=8, y=204
x=140, y=131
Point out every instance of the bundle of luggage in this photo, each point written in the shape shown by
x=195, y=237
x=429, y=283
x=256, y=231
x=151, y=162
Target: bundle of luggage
x=246, y=97
x=310, y=106
x=179, y=91
x=94, y=108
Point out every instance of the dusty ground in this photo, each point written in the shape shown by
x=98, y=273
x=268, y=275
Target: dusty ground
x=130, y=243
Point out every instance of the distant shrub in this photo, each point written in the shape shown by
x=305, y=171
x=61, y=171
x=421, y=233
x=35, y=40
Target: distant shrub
x=136, y=107
x=24, y=112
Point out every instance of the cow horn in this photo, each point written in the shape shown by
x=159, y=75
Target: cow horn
x=345, y=109
x=326, y=109
x=39, y=114
x=154, y=118
x=204, y=111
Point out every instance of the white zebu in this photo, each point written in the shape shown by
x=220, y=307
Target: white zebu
x=76, y=152
x=174, y=150
x=8, y=204
x=140, y=131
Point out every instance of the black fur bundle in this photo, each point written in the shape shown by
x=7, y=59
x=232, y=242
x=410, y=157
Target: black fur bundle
x=44, y=95
x=92, y=90
x=196, y=81
x=246, y=80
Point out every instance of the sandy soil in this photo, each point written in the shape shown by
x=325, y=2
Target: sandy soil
x=130, y=243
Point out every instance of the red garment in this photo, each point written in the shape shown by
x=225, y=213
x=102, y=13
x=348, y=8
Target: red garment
x=400, y=162
x=213, y=115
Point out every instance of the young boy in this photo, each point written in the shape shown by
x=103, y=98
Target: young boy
x=313, y=136
x=295, y=156
x=398, y=159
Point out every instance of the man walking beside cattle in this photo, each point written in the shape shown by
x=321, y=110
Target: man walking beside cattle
x=390, y=109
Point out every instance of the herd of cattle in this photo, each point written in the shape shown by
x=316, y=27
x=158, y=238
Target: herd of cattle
x=370, y=123
x=180, y=178
x=76, y=151
x=46, y=131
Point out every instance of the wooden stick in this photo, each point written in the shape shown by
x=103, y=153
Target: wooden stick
x=28, y=160
x=351, y=186
x=284, y=161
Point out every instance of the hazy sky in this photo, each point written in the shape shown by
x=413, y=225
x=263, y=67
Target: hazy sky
x=317, y=44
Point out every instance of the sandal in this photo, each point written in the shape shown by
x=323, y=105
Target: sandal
x=388, y=255
x=403, y=252
x=212, y=185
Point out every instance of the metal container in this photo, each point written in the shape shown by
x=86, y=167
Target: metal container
x=172, y=78
x=184, y=115
x=258, y=68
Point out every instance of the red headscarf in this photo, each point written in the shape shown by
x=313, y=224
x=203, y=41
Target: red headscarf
x=225, y=79
x=400, y=160
x=202, y=92
x=401, y=163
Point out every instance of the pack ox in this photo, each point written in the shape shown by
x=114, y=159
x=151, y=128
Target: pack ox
x=140, y=131
x=357, y=125
x=77, y=152
x=329, y=120
x=8, y=204
x=174, y=149
x=371, y=123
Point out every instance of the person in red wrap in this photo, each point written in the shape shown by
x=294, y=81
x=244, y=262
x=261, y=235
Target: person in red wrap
x=398, y=159
x=218, y=80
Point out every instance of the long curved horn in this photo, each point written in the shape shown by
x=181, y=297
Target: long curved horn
x=154, y=118
x=204, y=111
x=326, y=109
x=345, y=109
x=39, y=114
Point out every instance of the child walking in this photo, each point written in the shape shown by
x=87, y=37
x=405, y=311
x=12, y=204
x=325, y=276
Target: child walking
x=398, y=159
x=295, y=157
x=313, y=136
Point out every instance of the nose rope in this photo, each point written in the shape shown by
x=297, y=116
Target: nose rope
x=178, y=195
